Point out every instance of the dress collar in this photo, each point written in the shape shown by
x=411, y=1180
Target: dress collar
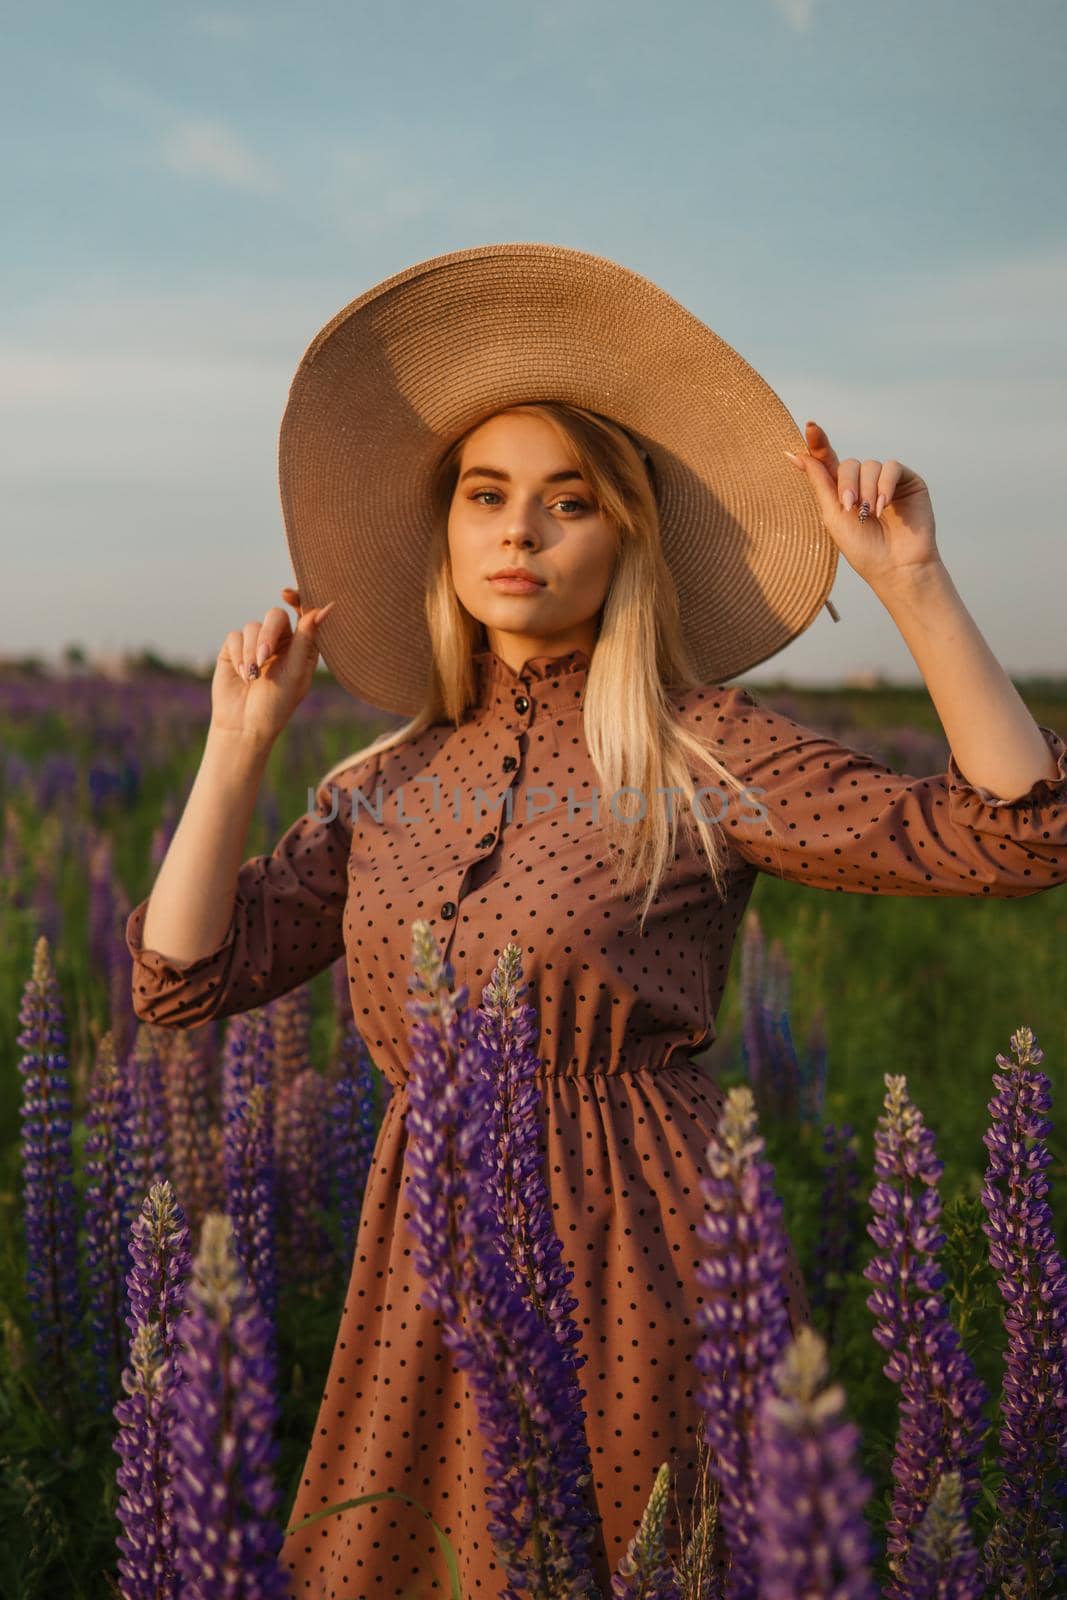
x=548, y=676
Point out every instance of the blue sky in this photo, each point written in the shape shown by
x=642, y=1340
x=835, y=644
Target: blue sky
x=866, y=200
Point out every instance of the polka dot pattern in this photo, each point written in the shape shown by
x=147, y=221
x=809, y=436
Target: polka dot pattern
x=487, y=832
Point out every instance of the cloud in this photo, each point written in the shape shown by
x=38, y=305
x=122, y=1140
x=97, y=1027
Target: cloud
x=797, y=13
x=199, y=146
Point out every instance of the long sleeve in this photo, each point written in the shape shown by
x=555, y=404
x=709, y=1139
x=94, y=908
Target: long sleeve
x=287, y=922
x=838, y=819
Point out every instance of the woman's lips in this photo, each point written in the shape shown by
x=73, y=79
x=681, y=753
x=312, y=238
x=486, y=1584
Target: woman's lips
x=516, y=585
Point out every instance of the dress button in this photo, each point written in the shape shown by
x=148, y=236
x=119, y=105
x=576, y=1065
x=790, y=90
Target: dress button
x=522, y=704
x=510, y=763
x=448, y=910
x=486, y=839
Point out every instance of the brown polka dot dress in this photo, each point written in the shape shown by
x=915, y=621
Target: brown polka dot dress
x=488, y=831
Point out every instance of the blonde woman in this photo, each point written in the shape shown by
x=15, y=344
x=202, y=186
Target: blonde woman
x=574, y=776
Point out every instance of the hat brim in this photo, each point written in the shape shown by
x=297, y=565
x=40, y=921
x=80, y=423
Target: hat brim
x=401, y=372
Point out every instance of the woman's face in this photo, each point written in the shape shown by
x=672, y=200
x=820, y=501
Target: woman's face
x=520, y=501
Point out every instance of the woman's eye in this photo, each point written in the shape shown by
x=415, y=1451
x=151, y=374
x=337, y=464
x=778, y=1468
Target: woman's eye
x=568, y=500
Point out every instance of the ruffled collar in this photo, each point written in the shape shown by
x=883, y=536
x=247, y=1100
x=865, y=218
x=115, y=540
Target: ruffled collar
x=545, y=676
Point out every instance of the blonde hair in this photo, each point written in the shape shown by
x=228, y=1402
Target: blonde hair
x=635, y=739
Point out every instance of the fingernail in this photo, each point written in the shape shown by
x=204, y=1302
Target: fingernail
x=794, y=459
x=848, y=499
x=262, y=652
x=241, y=670
x=253, y=671
x=879, y=505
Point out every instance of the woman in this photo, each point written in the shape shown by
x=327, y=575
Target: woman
x=575, y=777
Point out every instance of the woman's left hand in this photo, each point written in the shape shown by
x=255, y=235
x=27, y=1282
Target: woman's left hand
x=897, y=538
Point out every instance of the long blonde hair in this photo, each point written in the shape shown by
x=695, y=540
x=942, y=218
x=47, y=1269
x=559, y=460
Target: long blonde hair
x=634, y=737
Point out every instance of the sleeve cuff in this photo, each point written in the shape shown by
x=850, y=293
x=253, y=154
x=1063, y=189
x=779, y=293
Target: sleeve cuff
x=169, y=967
x=1040, y=792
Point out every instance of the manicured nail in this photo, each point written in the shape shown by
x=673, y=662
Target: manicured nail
x=253, y=671
x=848, y=499
x=262, y=652
x=880, y=505
x=794, y=459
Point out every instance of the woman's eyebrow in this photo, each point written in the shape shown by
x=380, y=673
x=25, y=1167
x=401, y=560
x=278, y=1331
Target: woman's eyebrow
x=567, y=475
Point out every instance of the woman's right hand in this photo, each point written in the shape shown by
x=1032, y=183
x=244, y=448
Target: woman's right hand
x=258, y=707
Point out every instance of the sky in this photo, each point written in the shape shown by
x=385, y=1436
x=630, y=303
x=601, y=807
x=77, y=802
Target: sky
x=867, y=201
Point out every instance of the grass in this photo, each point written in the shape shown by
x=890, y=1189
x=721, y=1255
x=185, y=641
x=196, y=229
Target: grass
x=932, y=988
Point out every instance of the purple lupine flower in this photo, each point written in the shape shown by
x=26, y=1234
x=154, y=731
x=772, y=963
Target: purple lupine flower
x=248, y=1155
x=304, y=1173
x=146, y=1110
x=811, y=1538
x=146, y=1546
x=941, y=1426
x=745, y=1318
x=645, y=1571
x=106, y=1242
x=942, y=1561
x=160, y=1255
x=228, y=1537
x=517, y=1184
x=48, y=1175
x=353, y=1128
x=516, y=1187
x=188, y=1102
x=839, y=1223
x=540, y=1520
x=1033, y=1284
x=157, y=1288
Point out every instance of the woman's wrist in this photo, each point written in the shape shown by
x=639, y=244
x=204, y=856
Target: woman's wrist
x=249, y=750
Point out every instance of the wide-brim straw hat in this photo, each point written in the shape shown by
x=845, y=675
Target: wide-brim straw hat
x=400, y=372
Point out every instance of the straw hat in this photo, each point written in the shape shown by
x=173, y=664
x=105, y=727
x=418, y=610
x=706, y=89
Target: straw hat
x=399, y=373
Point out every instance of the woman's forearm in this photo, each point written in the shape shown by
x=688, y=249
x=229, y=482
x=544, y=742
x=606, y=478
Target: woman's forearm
x=996, y=742
x=192, y=900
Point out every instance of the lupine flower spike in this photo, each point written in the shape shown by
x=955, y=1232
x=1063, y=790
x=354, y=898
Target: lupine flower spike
x=48, y=1176
x=1029, y=1531
x=353, y=1127
x=539, y=1518
x=645, y=1572
x=106, y=1241
x=811, y=1537
x=745, y=1318
x=248, y=1156
x=942, y=1563
x=228, y=1537
x=157, y=1285
x=941, y=1426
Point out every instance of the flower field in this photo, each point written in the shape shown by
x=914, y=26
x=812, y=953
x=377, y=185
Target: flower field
x=178, y=1213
